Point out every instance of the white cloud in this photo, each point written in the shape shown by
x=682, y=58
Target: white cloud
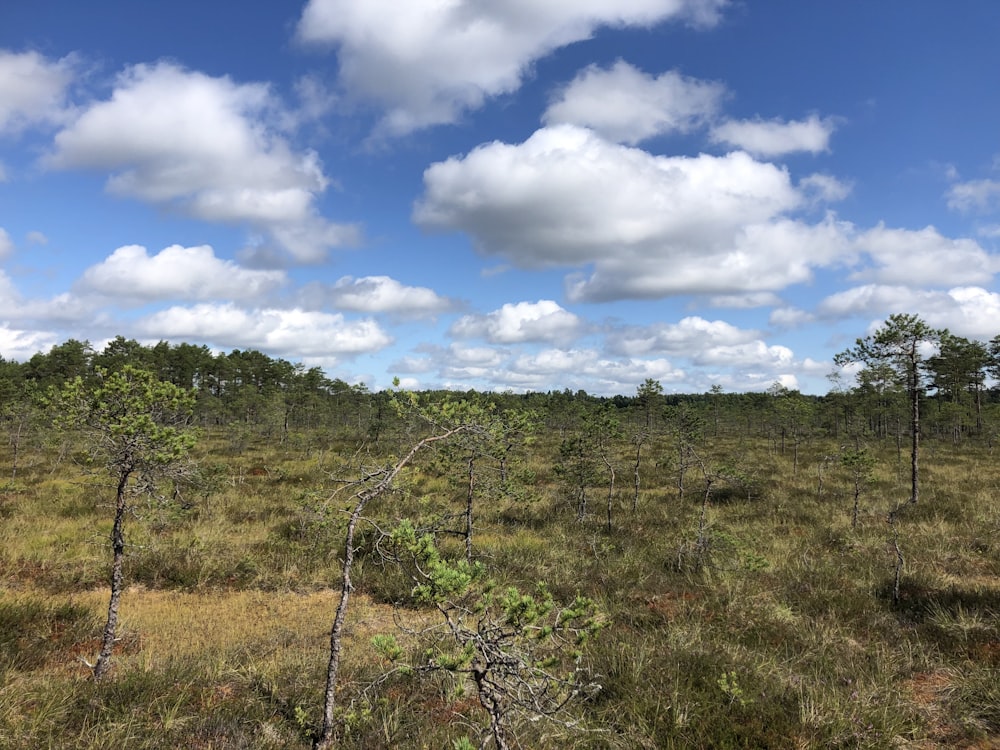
x=207, y=146
x=587, y=369
x=625, y=105
x=426, y=61
x=790, y=317
x=10, y=297
x=475, y=356
x=460, y=363
x=824, y=188
x=410, y=384
x=381, y=294
x=770, y=138
x=21, y=345
x=294, y=332
x=650, y=225
x=518, y=322
x=187, y=273
x=315, y=100
x=924, y=257
x=754, y=354
x=32, y=90
x=684, y=338
x=868, y=299
x=64, y=308
x=413, y=365
x=966, y=310
x=757, y=257
x=705, y=343
x=745, y=301
x=37, y=238
x=6, y=245
x=975, y=195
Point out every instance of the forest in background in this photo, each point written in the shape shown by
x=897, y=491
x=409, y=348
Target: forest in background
x=754, y=568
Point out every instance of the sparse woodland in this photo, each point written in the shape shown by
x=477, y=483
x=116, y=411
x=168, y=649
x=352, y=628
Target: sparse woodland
x=303, y=563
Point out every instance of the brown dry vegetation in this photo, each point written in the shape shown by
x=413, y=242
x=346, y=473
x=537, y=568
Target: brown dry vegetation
x=780, y=633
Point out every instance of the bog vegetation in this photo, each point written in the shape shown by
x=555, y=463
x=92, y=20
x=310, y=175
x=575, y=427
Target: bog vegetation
x=219, y=551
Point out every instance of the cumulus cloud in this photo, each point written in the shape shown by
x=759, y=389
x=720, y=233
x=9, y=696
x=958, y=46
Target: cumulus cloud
x=824, y=188
x=966, y=310
x=924, y=257
x=379, y=294
x=426, y=62
x=294, y=332
x=413, y=365
x=790, y=317
x=458, y=363
x=650, y=225
x=686, y=337
x=745, y=301
x=519, y=322
x=771, y=138
x=32, y=90
x=585, y=368
x=208, y=147
x=21, y=345
x=757, y=257
x=625, y=105
x=63, y=308
x=712, y=344
x=186, y=273
x=975, y=195
x=10, y=297
x=6, y=245
x=754, y=354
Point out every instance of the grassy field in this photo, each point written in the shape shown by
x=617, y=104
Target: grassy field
x=779, y=630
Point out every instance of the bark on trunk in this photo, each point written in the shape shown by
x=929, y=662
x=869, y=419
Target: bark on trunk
x=117, y=577
x=326, y=739
x=915, y=438
x=468, y=509
x=336, y=632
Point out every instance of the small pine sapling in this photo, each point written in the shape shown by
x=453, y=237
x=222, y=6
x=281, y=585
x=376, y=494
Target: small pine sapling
x=522, y=652
x=133, y=427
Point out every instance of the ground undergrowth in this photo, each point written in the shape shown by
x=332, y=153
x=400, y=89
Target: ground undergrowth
x=769, y=622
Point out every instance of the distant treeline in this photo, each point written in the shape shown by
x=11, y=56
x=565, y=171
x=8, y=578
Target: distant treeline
x=250, y=388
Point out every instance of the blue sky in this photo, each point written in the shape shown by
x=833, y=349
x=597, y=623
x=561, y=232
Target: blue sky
x=506, y=195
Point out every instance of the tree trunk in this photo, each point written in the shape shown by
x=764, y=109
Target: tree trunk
x=117, y=577
x=897, y=576
x=492, y=702
x=325, y=740
x=15, y=444
x=915, y=438
x=468, y=509
x=702, y=543
x=635, y=472
x=611, y=487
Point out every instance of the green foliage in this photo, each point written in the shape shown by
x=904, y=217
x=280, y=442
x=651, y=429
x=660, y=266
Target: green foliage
x=730, y=687
x=438, y=578
x=785, y=637
x=131, y=422
x=522, y=651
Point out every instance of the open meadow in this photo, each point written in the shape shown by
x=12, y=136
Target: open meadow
x=743, y=612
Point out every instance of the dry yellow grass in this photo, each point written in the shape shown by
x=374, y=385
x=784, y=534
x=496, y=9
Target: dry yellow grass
x=213, y=627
